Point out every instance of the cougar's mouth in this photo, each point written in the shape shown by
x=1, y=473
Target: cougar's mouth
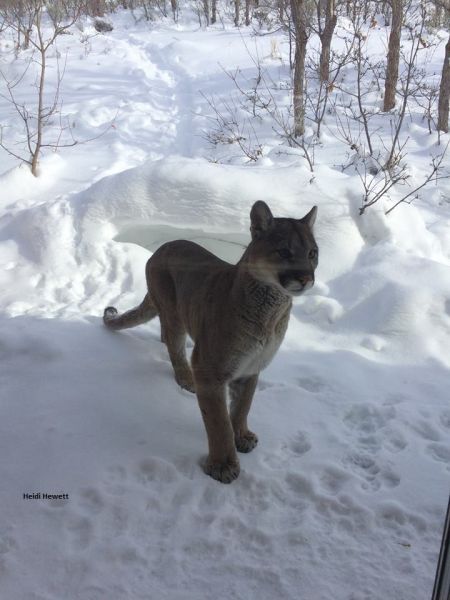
x=296, y=283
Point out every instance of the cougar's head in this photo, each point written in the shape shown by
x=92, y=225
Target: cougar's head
x=283, y=251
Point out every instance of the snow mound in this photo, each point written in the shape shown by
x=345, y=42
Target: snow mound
x=105, y=232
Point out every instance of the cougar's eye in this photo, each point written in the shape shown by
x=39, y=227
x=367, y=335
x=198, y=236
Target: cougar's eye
x=285, y=253
x=312, y=253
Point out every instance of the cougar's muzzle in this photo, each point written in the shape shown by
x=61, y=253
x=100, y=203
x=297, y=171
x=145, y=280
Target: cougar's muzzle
x=296, y=282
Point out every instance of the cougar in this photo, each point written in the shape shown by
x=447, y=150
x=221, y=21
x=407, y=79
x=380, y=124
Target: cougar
x=236, y=315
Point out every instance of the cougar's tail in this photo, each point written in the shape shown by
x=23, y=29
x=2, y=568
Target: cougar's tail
x=136, y=316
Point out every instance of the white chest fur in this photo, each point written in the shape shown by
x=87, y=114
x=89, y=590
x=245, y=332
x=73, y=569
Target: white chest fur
x=258, y=357
x=264, y=319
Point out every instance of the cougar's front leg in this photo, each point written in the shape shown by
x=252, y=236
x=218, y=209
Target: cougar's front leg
x=241, y=392
x=222, y=462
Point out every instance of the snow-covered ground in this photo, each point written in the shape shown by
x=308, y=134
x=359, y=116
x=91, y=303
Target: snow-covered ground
x=345, y=495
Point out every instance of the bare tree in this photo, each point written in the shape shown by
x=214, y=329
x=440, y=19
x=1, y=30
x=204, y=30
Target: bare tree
x=433, y=176
x=393, y=56
x=281, y=5
x=96, y=8
x=408, y=89
x=301, y=39
x=353, y=100
x=248, y=5
x=206, y=11
x=213, y=11
x=18, y=12
x=441, y=15
x=326, y=35
x=230, y=128
x=174, y=5
x=319, y=99
x=61, y=19
x=444, y=92
x=237, y=8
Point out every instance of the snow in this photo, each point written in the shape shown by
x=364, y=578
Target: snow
x=345, y=495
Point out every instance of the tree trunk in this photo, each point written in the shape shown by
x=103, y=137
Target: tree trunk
x=26, y=38
x=213, y=11
x=386, y=12
x=206, y=11
x=325, y=40
x=237, y=6
x=366, y=10
x=98, y=9
x=40, y=110
x=437, y=14
x=301, y=39
x=444, y=92
x=247, y=12
x=174, y=6
x=393, y=56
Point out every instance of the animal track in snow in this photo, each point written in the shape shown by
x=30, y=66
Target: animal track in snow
x=115, y=480
x=80, y=530
x=301, y=494
x=91, y=501
x=266, y=385
x=312, y=384
x=294, y=447
x=344, y=511
x=129, y=556
x=250, y=537
x=333, y=479
x=7, y=545
x=57, y=503
x=368, y=419
x=200, y=547
x=116, y=520
x=156, y=470
x=267, y=579
x=373, y=428
x=393, y=515
x=426, y=430
x=300, y=443
x=394, y=440
x=439, y=452
x=373, y=475
x=445, y=419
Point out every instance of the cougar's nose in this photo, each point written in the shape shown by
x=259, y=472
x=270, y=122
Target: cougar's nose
x=306, y=280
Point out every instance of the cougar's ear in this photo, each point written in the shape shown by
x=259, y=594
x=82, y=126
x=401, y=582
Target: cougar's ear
x=310, y=218
x=261, y=219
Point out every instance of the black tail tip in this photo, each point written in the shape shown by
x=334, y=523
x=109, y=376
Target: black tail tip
x=109, y=313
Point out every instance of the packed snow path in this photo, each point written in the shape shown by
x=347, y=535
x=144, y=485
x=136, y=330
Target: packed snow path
x=344, y=496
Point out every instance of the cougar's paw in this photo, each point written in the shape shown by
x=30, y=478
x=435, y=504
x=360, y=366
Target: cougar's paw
x=246, y=442
x=223, y=472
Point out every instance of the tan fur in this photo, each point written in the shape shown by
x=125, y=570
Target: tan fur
x=236, y=315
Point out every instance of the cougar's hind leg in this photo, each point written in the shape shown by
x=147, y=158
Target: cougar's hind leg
x=173, y=332
x=175, y=338
x=136, y=316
